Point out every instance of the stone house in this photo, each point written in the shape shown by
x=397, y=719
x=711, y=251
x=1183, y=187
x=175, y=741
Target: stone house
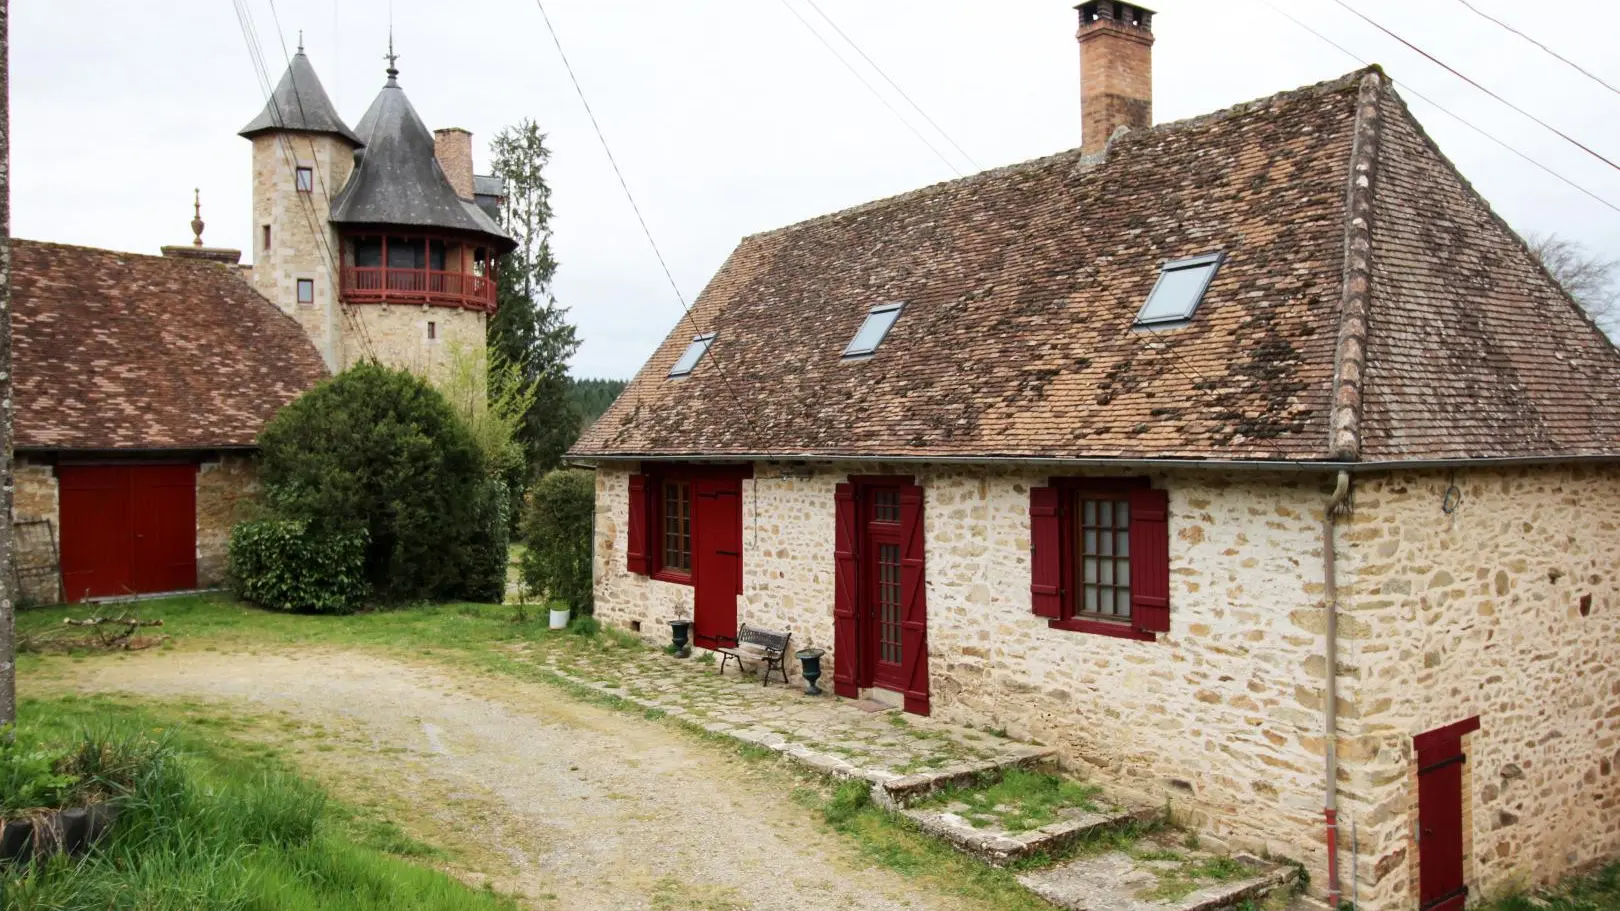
x=143, y=382
x=1250, y=460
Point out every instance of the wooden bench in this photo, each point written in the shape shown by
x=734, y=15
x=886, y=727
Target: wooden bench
x=754, y=644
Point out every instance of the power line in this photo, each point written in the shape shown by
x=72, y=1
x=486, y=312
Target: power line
x=1453, y=71
x=896, y=86
x=1442, y=109
x=1572, y=64
x=601, y=137
x=873, y=89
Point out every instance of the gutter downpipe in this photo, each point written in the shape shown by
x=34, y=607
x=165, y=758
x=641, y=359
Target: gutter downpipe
x=1337, y=507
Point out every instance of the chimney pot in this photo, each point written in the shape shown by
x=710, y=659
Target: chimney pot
x=1116, y=70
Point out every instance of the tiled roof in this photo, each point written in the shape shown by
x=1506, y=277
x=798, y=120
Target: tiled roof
x=1021, y=286
x=123, y=351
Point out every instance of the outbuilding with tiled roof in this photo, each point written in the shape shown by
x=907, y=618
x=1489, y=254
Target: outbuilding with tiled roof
x=1252, y=461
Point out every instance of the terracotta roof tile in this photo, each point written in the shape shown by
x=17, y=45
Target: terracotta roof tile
x=1021, y=286
x=123, y=351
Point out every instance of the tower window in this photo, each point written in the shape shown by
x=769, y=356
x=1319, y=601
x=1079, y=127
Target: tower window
x=306, y=180
x=266, y=243
x=433, y=330
x=306, y=290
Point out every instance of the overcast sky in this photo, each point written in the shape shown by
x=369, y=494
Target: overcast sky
x=730, y=117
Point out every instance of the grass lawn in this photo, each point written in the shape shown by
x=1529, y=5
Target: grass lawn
x=208, y=821
x=1597, y=892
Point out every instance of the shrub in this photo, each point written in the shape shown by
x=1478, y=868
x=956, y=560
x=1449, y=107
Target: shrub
x=29, y=777
x=557, y=537
x=283, y=565
x=380, y=451
x=486, y=580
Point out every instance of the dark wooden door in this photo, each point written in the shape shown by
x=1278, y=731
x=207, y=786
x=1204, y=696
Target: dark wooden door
x=128, y=529
x=716, y=560
x=1440, y=817
x=883, y=645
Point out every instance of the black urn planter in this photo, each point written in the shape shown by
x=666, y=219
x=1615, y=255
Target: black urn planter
x=680, y=634
x=810, y=667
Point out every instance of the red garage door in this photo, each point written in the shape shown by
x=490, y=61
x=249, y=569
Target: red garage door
x=128, y=529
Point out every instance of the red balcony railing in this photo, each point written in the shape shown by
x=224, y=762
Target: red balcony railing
x=366, y=284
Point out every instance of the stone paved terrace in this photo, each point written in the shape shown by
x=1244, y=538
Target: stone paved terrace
x=907, y=754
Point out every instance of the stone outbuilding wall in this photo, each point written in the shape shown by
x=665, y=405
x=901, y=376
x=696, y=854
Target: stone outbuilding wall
x=1222, y=717
x=227, y=485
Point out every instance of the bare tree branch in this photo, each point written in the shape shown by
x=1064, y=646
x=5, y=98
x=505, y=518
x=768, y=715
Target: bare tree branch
x=1592, y=280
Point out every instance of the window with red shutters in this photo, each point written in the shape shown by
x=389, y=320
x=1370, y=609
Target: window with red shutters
x=1100, y=556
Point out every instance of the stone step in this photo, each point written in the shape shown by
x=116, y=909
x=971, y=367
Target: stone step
x=1147, y=878
x=1002, y=847
x=900, y=791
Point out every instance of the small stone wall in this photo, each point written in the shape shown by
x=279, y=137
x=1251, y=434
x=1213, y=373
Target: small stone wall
x=227, y=491
x=35, y=497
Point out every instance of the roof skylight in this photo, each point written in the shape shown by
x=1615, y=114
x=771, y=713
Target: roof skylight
x=1180, y=287
x=874, y=329
x=694, y=353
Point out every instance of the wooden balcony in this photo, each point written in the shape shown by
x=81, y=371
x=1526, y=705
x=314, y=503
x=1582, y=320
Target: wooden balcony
x=380, y=285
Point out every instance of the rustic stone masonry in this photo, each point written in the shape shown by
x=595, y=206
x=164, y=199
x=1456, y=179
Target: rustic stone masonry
x=1444, y=616
x=226, y=488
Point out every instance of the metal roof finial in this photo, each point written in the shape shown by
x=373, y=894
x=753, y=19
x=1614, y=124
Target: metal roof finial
x=196, y=218
x=300, y=41
x=391, y=57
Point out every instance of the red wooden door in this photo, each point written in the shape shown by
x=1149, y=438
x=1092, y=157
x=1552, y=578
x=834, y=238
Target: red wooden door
x=1440, y=760
x=164, y=518
x=716, y=560
x=914, y=600
x=97, y=534
x=882, y=645
x=128, y=529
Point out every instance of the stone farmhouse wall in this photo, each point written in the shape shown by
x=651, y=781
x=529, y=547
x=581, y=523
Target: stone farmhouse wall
x=226, y=484
x=401, y=337
x=1506, y=607
x=1442, y=617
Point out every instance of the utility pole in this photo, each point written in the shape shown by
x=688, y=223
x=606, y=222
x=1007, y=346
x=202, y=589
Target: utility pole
x=8, y=597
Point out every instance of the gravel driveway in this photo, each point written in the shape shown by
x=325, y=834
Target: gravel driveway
x=572, y=805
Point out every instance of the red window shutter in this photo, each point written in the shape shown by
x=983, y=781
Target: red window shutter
x=636, y=549
x=846, y=577
x=1046, y=551
x=1150, y=560
x=913, y=601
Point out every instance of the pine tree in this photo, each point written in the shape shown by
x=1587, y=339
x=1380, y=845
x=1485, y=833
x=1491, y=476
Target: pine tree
x=530, y=329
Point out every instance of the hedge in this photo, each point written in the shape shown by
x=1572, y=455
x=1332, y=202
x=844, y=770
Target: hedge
x=283, y=565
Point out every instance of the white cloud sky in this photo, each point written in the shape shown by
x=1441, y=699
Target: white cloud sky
x=728, y=117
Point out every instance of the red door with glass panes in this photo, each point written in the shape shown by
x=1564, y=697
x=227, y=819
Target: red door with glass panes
x=716, y=560
x=882, y=645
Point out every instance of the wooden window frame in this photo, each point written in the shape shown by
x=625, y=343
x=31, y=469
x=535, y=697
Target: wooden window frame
x=649, y=555
x=1071, y=618
x=298, y=290
x=661, y=570
x=300, y=183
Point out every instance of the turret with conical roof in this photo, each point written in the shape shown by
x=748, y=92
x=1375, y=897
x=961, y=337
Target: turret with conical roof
x=300, y=104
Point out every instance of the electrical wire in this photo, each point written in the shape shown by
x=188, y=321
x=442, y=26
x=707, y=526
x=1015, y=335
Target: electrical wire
x=624, y=184
x=1570, y=63
x=873, y=89
x=1407, y=87
x=895, y=85
x=1453, y=71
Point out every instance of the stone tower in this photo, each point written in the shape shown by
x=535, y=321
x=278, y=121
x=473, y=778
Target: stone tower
x=376, y=247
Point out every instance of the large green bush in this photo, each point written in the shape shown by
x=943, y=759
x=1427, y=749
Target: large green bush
x=380, y=451
x=557, y=537
x=282, y=564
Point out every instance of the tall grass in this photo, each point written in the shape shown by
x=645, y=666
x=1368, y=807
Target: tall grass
x=198, y=829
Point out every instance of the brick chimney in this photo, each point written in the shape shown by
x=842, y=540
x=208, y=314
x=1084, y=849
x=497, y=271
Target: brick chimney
x=452, y=146
x=1116, y=70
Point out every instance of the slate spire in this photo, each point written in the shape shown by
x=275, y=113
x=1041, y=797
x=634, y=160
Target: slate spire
x=300, y=104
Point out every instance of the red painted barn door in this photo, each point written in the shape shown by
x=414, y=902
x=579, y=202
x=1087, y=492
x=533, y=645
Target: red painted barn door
x=1440, y=758
x=97, y=534
x=716, y=560
x=128, y=529
x=164, y=519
